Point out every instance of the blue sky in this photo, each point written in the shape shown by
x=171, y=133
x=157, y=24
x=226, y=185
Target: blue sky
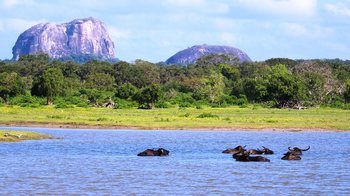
x=155, y=30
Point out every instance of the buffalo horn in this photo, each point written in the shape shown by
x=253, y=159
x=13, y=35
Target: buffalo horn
x=305, y=149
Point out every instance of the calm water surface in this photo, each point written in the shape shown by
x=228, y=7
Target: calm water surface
x=105, y=162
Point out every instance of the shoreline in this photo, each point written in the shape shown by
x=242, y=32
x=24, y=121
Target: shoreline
x=119, y=127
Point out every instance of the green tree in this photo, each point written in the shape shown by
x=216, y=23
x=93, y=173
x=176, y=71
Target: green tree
x=139, y=74
x=285, y=61
x=144, y=74
x=315, y=84
x=216, y=59
x=230, y=72
x=347, y=92
x=94, y=66
x=148, y=95
x=33, y=65
x=122, y=72
x=255, y=89
x=210, y=88
x=11, y=84
x=126, y=91
x=100, y=81
x=282, y=87
x=69, y=69
x=50, y=84
x=253, y=69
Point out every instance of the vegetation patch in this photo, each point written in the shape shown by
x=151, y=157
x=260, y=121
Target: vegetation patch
x=185, y=115
x=17, y=136
x=181, y=118
x=271, y=120
x=207, y=115
x=101, y=119
x=55, y=116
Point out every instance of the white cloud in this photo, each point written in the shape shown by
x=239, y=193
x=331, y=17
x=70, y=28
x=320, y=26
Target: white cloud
x=7, y=4
x=185, y=2
x=338, y=9
x=20, y=25
x=117, y=33
x=199, y=6
x=295, y=30
x=228, y=38
x=282, y=7
x=10, y=3
x=2, y=26
x=232, y=24
x=306, y=31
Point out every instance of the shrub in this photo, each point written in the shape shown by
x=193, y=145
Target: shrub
x=27, y=101
x=185, y=115
x=83, y=104
x=126, y=91
x=199, y=107
x=63, y=105
x=124, y=104
x=242, y=100
x=183, y=98
x=207, y=115
x=346, y=106
x=185, y=105
x=162, y=104
x=101, y=119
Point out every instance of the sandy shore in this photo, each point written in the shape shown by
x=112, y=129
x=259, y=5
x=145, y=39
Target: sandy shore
x=117, y=127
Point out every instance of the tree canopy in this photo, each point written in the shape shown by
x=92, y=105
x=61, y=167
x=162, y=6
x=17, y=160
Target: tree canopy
x=214, y=80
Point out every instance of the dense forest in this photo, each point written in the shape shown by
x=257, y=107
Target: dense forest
x=214, y=80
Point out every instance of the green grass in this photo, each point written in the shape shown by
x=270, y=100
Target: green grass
x=17, y=136
x=180, y=118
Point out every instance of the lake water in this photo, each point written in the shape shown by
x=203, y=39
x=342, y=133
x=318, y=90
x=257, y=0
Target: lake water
x=104, y=162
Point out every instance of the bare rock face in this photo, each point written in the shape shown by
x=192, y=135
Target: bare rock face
x=190, y=55
x=78, y=37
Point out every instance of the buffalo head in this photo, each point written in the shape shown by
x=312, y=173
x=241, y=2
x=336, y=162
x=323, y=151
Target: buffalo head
x=297, y=150
x=289, y=156
x=154, y=152
x=237, y=149
x=266, y=150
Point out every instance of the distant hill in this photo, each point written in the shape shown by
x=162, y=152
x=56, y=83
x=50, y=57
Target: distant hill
x=190, y=55
x=80, y=37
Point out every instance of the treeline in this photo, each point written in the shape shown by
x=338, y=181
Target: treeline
x=215, y=80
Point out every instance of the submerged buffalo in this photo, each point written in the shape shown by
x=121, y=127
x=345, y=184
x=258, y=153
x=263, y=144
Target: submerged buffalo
x=291, y=156
x=255, y=151
x=235, y=150
x=297, y=150
x=154, y=152
x=245, y=157
x=267, y=150
x=258, y=151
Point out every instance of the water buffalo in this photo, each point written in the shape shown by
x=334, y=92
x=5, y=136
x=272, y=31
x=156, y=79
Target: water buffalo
x=154, y=152
x=297, y=150
x=290, y=155
x=258, y=151
x=237, y=149
x=245, y=157
x=255, y=151
x=266, y=150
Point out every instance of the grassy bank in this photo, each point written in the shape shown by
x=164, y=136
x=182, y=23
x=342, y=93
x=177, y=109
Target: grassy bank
x=180, y=118
x=17, y=136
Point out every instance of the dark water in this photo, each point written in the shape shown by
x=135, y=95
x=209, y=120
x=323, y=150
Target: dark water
x=105, y=162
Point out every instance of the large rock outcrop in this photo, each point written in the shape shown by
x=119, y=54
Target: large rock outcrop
x=190, y=55
x=78, y=37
